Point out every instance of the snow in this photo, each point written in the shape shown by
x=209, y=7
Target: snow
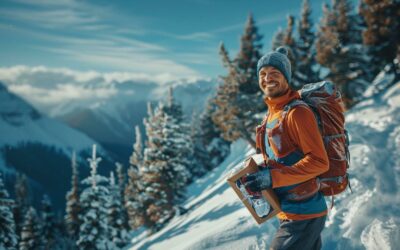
x=380, y=235
x=45, y=131
x=23, y=128
x=367, y=218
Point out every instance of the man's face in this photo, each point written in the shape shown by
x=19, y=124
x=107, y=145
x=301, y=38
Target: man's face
x=272, y=82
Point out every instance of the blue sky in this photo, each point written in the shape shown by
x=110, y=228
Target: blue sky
x=177, y=38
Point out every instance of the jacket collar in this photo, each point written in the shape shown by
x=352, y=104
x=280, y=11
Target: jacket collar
x=278, y=103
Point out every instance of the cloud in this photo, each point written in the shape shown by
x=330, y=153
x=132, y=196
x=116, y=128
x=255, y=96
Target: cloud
x=61, y=93
x=44, y=86
x=195, y=36
x=83, y=44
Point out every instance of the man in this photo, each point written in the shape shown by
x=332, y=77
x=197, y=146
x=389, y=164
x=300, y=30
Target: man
x=294, y=152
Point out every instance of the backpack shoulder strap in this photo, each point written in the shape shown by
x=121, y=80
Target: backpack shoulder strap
x=260, y=136
x=292, y=104
x=301, y=102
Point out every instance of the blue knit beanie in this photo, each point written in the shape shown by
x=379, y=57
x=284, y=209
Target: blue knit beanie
x=277, y=59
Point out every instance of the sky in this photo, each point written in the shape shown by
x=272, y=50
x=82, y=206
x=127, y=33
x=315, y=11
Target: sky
x=172, y=39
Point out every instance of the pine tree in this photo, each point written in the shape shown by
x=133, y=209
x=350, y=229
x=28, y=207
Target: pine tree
x=177, y=147
x=30, y=233
x=8, y=235
x=210, y=135
x=238, y=98
x=136, y=158
x=134, y=192
x=290, y=42
x=93, y=233
x=225, y=115
x=277, y=39
x=73, y=208
x=164, y=170
x=200, y=155
x=339, y=49
x=121, y=177
x=48, y=227
x=134, y=200
x=382, y=34
x=115, y=215
x=157, y=196
x=306, y=63
x=22, y=201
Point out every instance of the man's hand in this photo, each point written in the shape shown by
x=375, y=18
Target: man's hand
x=258, y=181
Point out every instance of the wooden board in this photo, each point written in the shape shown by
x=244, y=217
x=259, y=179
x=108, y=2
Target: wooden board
x=251, y=166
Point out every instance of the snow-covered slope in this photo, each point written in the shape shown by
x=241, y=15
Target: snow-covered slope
x=369, y=217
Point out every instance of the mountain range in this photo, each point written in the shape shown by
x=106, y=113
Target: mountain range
x=41, y=147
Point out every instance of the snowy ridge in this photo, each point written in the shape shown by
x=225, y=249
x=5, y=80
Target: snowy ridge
x=368, y=218
x=45, y=131
x=20, y=123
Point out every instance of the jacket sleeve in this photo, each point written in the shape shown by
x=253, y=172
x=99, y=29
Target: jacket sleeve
x=304, y=133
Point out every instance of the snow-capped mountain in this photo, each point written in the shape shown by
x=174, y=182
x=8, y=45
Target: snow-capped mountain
x=39, y=146
x=111, y=121
x=366, y=218
x=105, y=106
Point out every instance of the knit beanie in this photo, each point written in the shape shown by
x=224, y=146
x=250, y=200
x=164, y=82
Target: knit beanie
x=277, y=59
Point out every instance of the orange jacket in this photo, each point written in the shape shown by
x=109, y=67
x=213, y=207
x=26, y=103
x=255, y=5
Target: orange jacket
x=304, y=133
x=301, y=129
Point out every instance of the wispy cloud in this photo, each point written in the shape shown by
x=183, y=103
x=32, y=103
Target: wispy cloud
x=195, y=36
x=78, y=32
x=106, y=49
x=109, y=49
x=51, y=15
x=214, y=33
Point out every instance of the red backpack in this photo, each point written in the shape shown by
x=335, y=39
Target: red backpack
x=326, y=102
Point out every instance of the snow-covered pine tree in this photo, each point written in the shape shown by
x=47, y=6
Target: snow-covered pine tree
x=136, y=158
x=211, y=137
x=48, y=224
x=177, y=147
x=115, y=215
x=134, y=192
x=22, y=201
x=277, y=39
x=73, y=208
x=381, y=35
x=157, y=196
x=8, y=235
x=93, y=233
x=134, y=200
x=339, y=49
x=200, y=155
x=31, y=237
x=238, y=97
x=121, y=177
x=306, y=65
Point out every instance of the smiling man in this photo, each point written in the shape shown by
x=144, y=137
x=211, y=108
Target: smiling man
x=292, y=146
